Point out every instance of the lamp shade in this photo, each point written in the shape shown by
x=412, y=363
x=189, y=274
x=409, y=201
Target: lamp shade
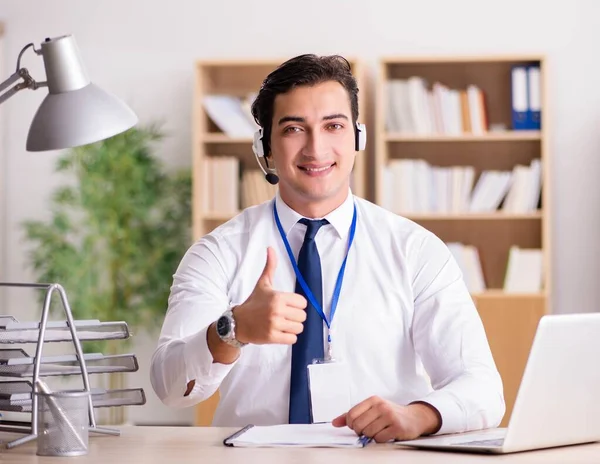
x=75, y=112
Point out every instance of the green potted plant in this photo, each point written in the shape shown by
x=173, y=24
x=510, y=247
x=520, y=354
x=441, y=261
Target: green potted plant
x=116, y=234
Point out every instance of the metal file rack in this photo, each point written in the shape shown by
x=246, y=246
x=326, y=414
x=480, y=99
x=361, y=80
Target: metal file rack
x=19, y=393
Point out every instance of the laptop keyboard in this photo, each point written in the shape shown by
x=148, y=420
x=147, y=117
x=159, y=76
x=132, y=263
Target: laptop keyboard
x=492, y=442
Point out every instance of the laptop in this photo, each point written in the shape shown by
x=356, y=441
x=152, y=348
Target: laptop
x=558, y=402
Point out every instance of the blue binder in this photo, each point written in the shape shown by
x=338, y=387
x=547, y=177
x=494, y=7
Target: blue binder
x=519, y=98
x=534, y=97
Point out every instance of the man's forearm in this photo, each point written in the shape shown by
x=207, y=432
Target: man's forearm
x=221, y=352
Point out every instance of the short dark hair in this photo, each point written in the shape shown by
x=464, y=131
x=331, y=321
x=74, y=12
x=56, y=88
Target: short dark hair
x=302, y=70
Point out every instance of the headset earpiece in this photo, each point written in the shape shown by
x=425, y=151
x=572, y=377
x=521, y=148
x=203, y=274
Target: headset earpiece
x=257, y=143
x=258, y=147
x=360, y=137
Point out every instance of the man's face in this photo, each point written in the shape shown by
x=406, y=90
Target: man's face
x=312, y=144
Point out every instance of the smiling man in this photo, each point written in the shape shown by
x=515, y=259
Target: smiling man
x=320, y=274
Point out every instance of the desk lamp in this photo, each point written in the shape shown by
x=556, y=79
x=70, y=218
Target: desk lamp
x=75, y=112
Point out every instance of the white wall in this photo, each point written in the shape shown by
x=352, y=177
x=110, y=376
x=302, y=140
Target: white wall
x=143, y=50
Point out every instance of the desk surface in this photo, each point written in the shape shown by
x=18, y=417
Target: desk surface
x=197, y=445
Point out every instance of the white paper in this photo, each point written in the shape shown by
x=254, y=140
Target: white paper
x=298, y=435
x=329, y=390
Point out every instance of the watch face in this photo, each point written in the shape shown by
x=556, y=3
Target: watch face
x=223, y=326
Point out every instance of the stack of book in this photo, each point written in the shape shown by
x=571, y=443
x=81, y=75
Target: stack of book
x=418, y=107
x=414, y=108
x=413, y=186
x=255, y=189
x=225, y=194
x=221, y=185
x=524, y=270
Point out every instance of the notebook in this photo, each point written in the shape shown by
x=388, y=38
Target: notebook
x=296, y=435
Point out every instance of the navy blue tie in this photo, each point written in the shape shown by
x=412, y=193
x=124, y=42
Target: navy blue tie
x=310, y=342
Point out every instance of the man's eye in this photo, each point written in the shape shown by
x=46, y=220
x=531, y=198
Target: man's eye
x=291, y=129
x=335, y=126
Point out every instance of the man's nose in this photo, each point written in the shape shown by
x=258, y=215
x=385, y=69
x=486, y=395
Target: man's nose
x=315, y=144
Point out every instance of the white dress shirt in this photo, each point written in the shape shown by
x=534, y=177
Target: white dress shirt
x=405, y=321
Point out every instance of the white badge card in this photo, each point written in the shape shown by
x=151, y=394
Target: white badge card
x=329, y=386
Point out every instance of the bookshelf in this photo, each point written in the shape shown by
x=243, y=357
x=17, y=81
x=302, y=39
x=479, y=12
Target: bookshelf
x=510, y=319
x=238, y=78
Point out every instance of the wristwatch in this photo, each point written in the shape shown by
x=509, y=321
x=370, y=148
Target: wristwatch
x=226, y=329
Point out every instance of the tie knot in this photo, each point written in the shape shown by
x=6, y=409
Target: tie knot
x=312, y=227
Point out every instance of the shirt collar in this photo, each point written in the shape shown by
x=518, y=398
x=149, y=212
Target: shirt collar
x=340, y=218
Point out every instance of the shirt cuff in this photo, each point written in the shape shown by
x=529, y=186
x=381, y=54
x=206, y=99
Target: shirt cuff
x=452, y=414
x=199, y=362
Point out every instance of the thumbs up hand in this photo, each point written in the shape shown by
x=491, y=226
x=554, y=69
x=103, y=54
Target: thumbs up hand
x=269, y=316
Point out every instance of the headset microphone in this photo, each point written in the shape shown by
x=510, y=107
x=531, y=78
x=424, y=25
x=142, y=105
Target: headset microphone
x=272, y=179
x=258, y=149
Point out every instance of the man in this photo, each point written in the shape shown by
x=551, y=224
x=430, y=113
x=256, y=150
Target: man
x=404, y=323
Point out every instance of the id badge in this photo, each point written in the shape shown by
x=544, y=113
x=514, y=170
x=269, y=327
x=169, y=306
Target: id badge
x=329, y=387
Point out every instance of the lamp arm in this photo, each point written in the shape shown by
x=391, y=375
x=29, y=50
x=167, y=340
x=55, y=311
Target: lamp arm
x=21, y=73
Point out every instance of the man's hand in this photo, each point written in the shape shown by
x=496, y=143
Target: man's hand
x=269, y=316
x=384, y=421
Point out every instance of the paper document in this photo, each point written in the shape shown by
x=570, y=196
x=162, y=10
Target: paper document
x=296, y=435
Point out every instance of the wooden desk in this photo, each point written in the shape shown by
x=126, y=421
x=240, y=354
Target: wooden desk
x=200, y=445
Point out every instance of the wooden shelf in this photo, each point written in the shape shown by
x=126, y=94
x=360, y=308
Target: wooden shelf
x=459, y=59
x=497, y=293
x=494, y=216
x=508, y=136
x=499, y=216
x=212, y=137
x=216, y=216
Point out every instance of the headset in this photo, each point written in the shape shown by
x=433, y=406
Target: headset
x=259, y=149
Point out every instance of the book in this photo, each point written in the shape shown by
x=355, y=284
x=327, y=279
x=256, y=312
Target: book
x=228, y=113
x=534, y=95
x=519, y=98
x=469, y=262
x=524, y=271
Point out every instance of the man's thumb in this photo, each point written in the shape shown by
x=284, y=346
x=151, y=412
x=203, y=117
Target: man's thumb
x=269, y=271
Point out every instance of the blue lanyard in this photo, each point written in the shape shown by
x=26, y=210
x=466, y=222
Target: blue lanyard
x=338, y=284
